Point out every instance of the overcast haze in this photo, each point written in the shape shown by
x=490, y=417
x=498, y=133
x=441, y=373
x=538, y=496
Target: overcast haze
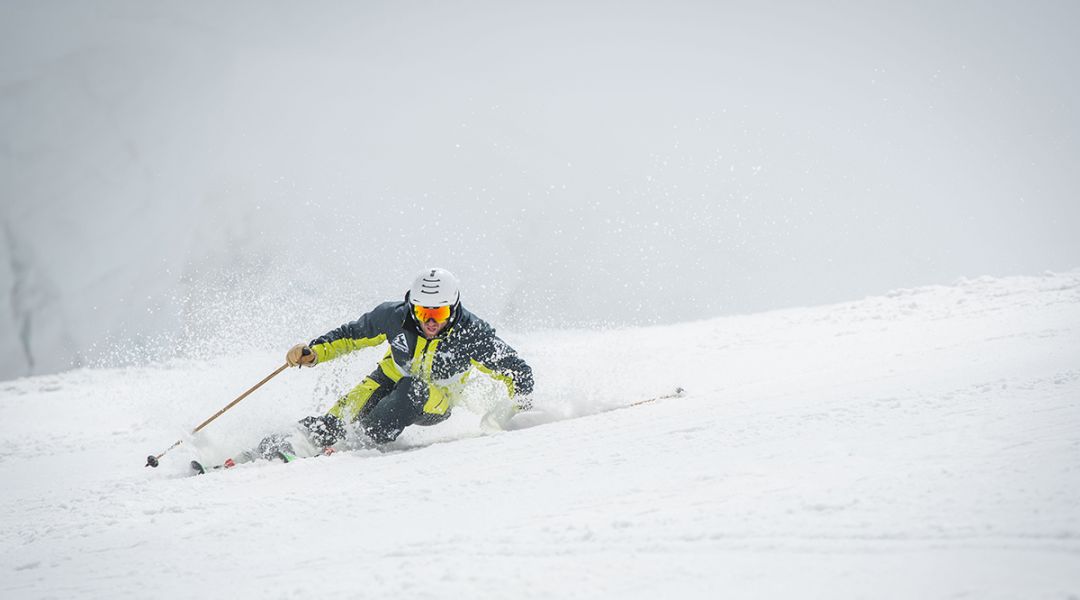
x=258, y=172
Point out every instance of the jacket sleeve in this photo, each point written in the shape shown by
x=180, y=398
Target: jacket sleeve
x=496, y=358
x=369, y=330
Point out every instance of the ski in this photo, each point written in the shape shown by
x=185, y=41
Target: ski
x=200, y=469
x=287, y=457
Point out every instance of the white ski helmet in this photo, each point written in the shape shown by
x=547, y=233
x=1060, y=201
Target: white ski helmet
x=435, y=287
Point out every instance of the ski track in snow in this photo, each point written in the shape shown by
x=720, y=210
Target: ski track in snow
x=923, y=444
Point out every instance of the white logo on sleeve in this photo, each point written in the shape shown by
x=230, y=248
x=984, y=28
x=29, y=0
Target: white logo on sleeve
x=401, y=343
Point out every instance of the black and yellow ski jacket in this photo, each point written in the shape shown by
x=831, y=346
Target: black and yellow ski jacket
x=466, y=342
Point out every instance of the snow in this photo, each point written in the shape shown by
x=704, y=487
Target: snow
x=920, y=444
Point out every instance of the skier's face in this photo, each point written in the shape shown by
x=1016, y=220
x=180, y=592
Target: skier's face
x=432, y=319
x=432, y=328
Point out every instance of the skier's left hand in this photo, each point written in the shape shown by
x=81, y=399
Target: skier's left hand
x=498, y=418
x=522, y=403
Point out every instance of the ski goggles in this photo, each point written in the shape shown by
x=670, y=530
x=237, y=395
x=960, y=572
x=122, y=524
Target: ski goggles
x=438, y=313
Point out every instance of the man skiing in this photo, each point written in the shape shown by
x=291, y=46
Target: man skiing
x=434, y=343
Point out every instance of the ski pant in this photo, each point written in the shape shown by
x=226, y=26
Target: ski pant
x=387, y=408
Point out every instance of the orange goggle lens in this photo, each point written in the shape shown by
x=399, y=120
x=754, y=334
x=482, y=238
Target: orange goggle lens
x=439, y=313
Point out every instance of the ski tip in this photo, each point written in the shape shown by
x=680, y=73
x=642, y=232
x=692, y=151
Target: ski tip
x=286, y=457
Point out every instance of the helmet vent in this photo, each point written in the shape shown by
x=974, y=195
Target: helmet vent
x=435, y=287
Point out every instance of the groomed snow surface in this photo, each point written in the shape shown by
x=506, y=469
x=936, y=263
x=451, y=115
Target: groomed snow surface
x=924, y=444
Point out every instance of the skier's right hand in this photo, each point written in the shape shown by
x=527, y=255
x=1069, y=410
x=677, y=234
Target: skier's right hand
x=301, y=355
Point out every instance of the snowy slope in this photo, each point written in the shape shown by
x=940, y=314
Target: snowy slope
x=924, y=444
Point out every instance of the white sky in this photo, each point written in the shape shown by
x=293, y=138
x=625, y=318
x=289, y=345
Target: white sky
x=573, y=162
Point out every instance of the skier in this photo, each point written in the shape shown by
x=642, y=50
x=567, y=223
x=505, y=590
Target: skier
x=434, y=342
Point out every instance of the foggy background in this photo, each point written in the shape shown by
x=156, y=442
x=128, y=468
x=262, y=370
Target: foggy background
x=199, y=178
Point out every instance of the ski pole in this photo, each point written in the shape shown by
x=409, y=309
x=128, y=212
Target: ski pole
x=676, y=394
x=152, y=461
